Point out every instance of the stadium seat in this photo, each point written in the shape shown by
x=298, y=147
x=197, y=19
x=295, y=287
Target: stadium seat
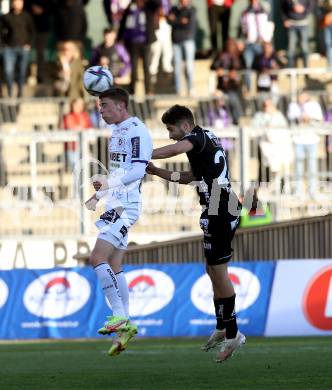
x=38, y=115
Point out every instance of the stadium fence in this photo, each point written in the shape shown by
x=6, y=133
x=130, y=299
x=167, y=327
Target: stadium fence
x=307, y=238
x=37, y=185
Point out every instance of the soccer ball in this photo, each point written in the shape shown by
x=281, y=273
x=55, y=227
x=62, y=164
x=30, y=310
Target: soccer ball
x=97, y=79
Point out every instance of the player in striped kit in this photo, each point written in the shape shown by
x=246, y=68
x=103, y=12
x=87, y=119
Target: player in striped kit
x=219, y=219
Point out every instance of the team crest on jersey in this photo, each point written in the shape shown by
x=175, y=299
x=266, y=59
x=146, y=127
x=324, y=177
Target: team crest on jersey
x=118, y=144
x=204, y=224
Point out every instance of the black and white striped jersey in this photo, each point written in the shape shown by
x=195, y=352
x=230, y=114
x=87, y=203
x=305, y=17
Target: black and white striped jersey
x=209, y=166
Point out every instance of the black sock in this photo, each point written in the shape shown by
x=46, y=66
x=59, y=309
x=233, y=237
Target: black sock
x=226, y=317
x=218, y=307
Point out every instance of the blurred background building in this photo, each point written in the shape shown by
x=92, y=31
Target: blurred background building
x=258, y=73
x=245, y=87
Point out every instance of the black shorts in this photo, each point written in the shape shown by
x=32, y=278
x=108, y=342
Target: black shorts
x=218, y=232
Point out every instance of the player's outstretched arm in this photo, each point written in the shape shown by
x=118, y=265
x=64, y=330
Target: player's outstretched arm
x=102, y=183
x=101, y=186
x=91, y=203
x=184, y=177
x=172, y=150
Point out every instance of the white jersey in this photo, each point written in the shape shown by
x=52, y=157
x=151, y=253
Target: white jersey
x=130, y=143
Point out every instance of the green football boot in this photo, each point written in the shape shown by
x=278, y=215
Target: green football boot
x=122, y=339
x=114, y=324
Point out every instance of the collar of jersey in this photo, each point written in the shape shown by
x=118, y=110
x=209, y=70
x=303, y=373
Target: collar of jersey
x=193, y=131
x=125, y=122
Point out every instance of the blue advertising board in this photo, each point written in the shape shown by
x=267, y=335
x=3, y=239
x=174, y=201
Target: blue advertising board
x=165, y=300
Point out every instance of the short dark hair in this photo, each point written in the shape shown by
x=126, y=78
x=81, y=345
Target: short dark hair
x=109, y=30
x=177, y=114
x=116, y=93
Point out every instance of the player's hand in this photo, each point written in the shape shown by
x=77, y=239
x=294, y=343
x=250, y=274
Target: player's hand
x=151, y=169
x=99, y=182
x=96, y=185
x=91, y=203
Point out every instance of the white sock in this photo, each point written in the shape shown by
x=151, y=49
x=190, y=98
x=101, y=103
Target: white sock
x=124, y=291
x=110, y=287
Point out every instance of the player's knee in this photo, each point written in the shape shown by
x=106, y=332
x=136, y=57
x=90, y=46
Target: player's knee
x=94, y=258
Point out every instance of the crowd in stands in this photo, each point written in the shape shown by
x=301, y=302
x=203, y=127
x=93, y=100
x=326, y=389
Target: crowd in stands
x=160, y=32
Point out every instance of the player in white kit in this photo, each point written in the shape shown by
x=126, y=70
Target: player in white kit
x=130, y=149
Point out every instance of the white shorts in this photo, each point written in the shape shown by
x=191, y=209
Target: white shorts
x=114, y=224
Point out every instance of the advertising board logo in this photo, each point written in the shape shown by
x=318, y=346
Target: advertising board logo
x=149, y=291
x=57, y=294
x=246, y=286
x=3, y=293
x=317, y=299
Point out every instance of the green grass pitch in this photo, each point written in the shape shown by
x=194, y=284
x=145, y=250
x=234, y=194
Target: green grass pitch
x=263, y=363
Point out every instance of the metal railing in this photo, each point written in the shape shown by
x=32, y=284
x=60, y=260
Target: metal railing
x=308, y=238
x=291, y=79
x=40, y=195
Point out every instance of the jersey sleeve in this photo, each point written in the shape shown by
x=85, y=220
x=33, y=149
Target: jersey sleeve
x=197, y=139
x=141, y=146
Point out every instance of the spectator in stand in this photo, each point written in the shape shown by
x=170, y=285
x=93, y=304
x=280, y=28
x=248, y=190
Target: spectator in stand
x=328, y=114
x=114, y=10
x=219, y=11
x=307, y=113
x=325, y=23
x=255, y=29
x=166, y=6
x=77, y=119
x=328, y=137
x=138, y=31
x=220, y=117
x=69, y=70
x=41, y=11
x=113, y=55
x=70, y=22
x=218, y=114
x=264, y=63
x=227, y=64
x=276, y=137
x=18, y=32
x=182, y=18
x=162, y=47
x=295, y=15
x=270, y=117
